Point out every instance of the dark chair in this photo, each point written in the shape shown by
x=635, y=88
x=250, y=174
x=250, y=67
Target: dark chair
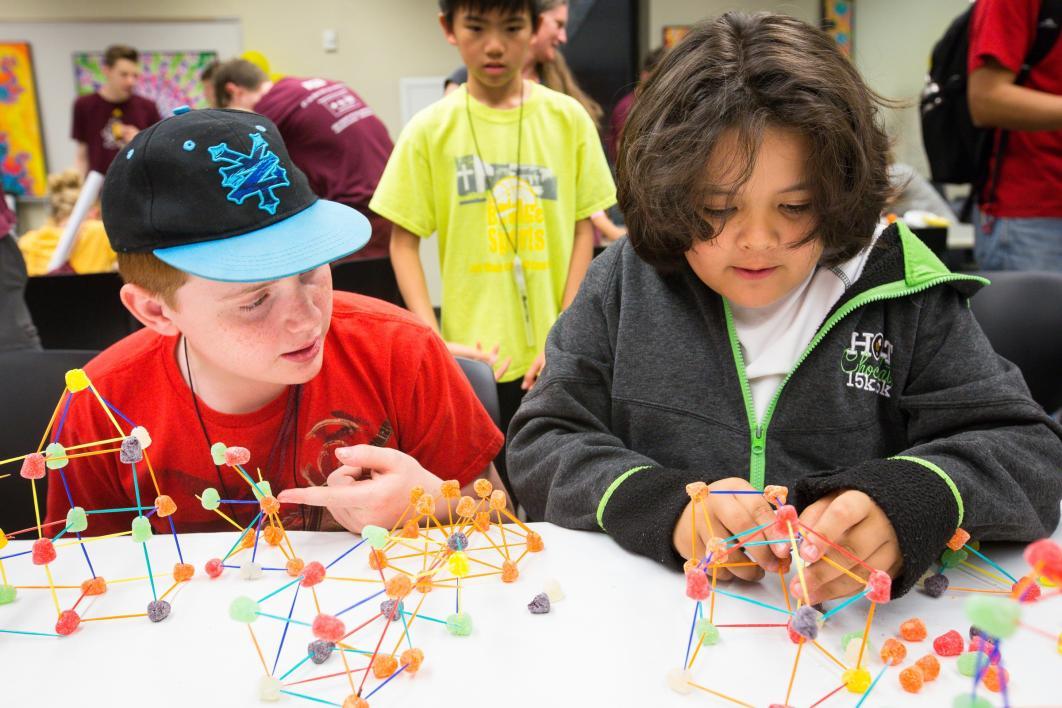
x=79, y=311
x=481, y=376
x=1020, y=313
x=30, y=385
x=370, y=276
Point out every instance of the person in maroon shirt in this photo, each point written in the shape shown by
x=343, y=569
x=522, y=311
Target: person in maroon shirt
x=105, y=121
x=623, y=107
x=331, y=134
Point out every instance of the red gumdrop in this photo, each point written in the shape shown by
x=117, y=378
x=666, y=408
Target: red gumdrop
x=980, y=644
x=213, y=567
x=784, y=518
x=794, y=636
x=33, y=466
x=312, y=574
x=237, y=456
x=1045, y=556
x=329, y=628
x=1025, y=590
x=43, y=551
x=879, y=587
x=948, y=644
x=68, y=622
x=698, y=586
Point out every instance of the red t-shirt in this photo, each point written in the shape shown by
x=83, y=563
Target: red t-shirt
x=386, y=380
x=616, y=123
x=94, y=124
x=1030, y=181
x=337, y=141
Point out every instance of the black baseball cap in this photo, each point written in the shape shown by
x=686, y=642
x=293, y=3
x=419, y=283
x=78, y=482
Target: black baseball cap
x=213, y=193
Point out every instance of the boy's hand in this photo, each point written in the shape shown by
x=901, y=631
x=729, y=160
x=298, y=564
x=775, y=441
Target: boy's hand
x=532, y=374
x=854, y=522
x=479, y=354
x=732, y=514
x=372, y=487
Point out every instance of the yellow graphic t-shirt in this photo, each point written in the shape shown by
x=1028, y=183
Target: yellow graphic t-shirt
x=436, y=180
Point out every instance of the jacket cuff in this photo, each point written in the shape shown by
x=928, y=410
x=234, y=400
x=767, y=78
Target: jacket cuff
x=642, y=507
x=918, y=500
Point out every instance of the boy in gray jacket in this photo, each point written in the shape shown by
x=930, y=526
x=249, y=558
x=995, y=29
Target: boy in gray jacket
x=756, y=328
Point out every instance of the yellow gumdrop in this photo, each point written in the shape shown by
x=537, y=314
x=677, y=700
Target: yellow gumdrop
x=856, y=680
x=458, y=564
x=77, y=380
x=3, y=539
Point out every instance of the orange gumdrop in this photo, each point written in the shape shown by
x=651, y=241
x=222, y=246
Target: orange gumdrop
x=534, y=542
x=273, y=535
x=482, y=488
x=384, y=666
x=992, y=678
x=426, y=505
x=690, y=564
x=355, y=702
x=377, y=559
x=94, y=586
x=913, y=630
x=481, y=522
x=183, y=572
x=466, y=507
x=248, y=541
x=497, y=500
x=295, y=566
x=412, y=659
x=410, y=529
x=912, y=678
x=269, y=505
x=165, y=505
x=930, y=667
x=697, y=491
x=892, y=651
x=451, y=489
x=509, y=572
x=398, y=586
x=424, y=583
x=415, y=494
x=776, y=494
x=958, y=539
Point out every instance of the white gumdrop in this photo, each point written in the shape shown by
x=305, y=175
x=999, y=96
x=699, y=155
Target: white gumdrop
x=851, y=652
x=269, y=689
x=142, y=436
x=553, y=590
x=679, y=681
x=251, y=571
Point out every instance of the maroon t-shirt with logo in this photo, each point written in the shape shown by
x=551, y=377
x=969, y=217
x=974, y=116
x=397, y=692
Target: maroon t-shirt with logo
x=96, y=123
x=339, y=143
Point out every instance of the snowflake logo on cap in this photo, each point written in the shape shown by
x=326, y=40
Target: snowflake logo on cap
x=256, y=173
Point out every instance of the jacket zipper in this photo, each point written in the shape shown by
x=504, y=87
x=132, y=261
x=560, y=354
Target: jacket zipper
x=758, y=430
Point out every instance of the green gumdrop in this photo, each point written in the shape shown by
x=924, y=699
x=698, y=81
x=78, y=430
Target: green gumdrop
x=952, y=559
x=243, y=609
x=460, y=624
x=707, y=632
x=849, y=636
x=141, y=529
x=995, y=616
x=211, y=499
x=967, y=663
x=266, y=490
x=375, y=535
x=217, y=451
x=55, y=450
x=7, y=594
x=76, y=520
x=965, y=700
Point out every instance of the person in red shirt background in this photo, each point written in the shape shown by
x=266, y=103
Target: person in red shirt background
x=623, y=107
x=1020, y=227
x=105, y=121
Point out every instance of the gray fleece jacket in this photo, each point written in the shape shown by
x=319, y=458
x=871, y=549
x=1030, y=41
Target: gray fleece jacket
x=899, y=395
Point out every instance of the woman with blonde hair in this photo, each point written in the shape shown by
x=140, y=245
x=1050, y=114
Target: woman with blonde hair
x=91, y=252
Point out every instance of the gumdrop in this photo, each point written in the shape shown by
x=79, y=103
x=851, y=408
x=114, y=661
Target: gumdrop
x=856, y=680
x=509, y=572
x=1045, y=557
x=94, y=586
x=3, y=539
x=77, y=380
x=457, y=563
x=948, y=644
x=384, y=665
x=913, y=630
x=217, y=453
x=698, y=587
x=313, y=573
x=482, y=488
x=273, y=535
x=776, y=494
x=183, y=572
x=7, y=594
x=893, y=652
x=680, y=681
x=43, y=551
x=415, y=494
x=466, y=507
x=450, y=489
x=806, y=621
x=952, y=559
x=250, y=570
x=785, y=519
x=130, y=451
x=353, y=701
x=158, y=610
x=459, y=624
x=141, y=527
x=319, y=650
x=553, y=589
x=984, y=645
x=329, y=628
x=269, y=688
x=912, y=679
x=534, y=542
x=210, y=499
x=424, y=583
x=497, y=500
x=851, y=650
x=965, y=700
x=958, y=540
x=237, y=456
x=76, y=520
x=392, y=609
x=930, y=667
x=261, y=489
x=967, y=663
x=247, y=541
x=33, y=466
x=269, y=505
x=410, y=529
x=55, y=456
x=481, y=522
x=213, y=568
x=412, y=659
x=426, y=505
x=809, y=551
x=142, y=436
x=1025, y=590
x=377, y=559
x=995, y=677
x=165, y=505
x=794, y=636
x=457, y=541
x=398, y=586
x=707, y=633
x=879, y=587
x=243, y=609
x=698, y=491
x=935, y=585
x=996, y=616
x=67, y=623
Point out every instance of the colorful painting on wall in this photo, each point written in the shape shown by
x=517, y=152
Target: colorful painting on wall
x=838, y=19
x=673, y=34
x=170, y=79
x=22, y=160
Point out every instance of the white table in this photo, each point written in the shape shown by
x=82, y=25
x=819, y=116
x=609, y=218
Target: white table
x=623, y=625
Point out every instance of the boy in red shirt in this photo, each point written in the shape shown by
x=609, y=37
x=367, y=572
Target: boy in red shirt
x=225, y=252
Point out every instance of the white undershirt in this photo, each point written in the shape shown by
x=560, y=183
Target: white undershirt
x=773, y=338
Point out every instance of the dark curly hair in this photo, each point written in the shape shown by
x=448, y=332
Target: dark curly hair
x=746, y=73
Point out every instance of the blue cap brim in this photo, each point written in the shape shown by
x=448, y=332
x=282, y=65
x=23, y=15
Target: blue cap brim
x=319, y=234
